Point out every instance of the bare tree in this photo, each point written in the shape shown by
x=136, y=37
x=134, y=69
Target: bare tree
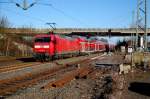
x=4, y=24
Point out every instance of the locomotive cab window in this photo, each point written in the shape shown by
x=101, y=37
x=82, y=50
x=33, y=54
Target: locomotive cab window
x=42, y=39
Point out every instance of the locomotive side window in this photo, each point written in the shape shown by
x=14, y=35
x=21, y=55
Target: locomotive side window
x=42, y=39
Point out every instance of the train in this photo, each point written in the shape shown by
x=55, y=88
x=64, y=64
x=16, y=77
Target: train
x=49, y=46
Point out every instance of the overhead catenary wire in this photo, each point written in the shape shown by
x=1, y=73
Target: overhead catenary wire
x=8, y=2
x=27, y=16
x=56, y=9
x=24, y=5
x=62, y=12
x=5, y=2
x=38, y=2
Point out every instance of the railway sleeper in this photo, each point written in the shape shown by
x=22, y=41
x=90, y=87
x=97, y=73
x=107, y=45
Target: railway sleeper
x=23, y=83
x=78, y=73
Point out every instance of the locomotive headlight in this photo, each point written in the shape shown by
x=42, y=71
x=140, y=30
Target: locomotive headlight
x=37, y=46
x=46, y=46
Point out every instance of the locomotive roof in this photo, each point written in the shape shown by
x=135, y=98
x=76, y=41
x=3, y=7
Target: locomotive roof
x=42, y=35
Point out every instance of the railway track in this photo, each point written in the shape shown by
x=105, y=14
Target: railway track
x=11, y=85
x=67, y=77
x=15, y=67
x=86, y=70
x=8, y=86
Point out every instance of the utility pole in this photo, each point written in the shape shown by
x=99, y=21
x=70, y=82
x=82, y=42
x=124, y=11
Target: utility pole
x=141, y=23
x=137, y=23
x=133, y=27
x=7, y=47
x=145, y=34
x=109, y=31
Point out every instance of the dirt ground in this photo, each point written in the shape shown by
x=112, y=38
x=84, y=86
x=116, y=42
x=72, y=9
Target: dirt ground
x=97, y=88
x=97, y=85
x=137, y=85
x=106, y=83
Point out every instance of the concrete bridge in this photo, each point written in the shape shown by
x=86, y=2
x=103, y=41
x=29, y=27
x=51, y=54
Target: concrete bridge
x=78, y=31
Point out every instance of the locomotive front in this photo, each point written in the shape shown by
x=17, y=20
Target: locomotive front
x=43, y=47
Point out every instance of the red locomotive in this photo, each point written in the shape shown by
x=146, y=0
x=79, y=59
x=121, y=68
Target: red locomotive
x=47, y=46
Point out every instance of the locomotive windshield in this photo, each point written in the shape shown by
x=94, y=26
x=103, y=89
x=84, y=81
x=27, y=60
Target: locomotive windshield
x=42, y=39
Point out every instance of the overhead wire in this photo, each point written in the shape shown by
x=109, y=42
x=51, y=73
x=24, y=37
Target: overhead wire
x=27, y=16
x=62, y=12
x=5, y=2
x=56, y=9
x=10, y=1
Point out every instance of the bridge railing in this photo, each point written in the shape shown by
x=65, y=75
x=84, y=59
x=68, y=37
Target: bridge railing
x=70, y=30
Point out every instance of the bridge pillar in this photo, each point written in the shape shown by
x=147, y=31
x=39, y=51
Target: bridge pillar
x=141, y=41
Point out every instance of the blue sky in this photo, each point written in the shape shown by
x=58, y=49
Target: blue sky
x=73, y=13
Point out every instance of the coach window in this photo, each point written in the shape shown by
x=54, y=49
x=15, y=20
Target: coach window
x=42, y=39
